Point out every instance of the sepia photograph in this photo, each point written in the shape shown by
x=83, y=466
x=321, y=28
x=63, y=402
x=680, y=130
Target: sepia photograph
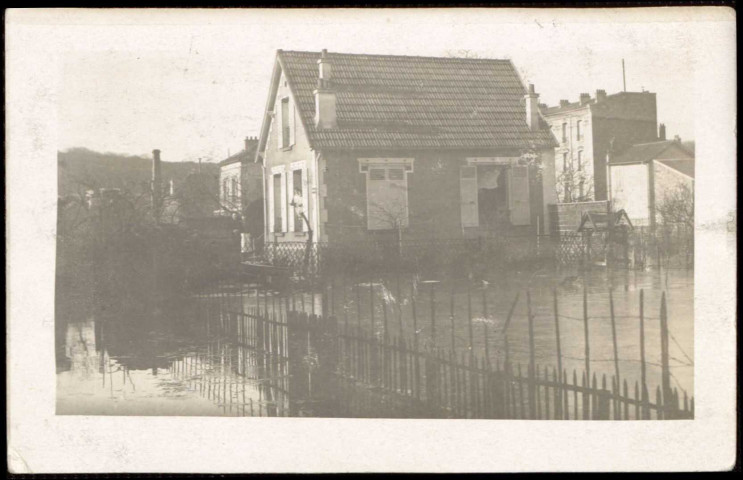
x=266, y=213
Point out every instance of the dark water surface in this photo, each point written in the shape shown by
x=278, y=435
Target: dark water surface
x=126, y=360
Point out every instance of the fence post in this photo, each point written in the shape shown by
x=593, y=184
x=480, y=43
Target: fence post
x=585, y=331
x=371, y=305
x=451, y=319
x=558, y=397
x=666, y=371
x=643, y=380
x=469, y=317
x=416, y=365
x=433, y=314
x=532, y=385
x=614, y=334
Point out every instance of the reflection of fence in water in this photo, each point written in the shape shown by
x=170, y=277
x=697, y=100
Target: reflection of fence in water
x=244, y=368
x=325, y=359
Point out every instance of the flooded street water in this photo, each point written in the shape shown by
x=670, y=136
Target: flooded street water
x=171, y=363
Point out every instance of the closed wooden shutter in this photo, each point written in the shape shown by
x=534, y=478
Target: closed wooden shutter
x=519, y=195
x=468, y=196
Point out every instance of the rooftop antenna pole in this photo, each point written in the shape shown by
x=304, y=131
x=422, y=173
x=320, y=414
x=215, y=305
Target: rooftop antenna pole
x=624, y=77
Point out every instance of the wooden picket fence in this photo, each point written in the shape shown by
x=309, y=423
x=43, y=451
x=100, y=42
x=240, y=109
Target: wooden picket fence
x=430, y=382
x=447, y=385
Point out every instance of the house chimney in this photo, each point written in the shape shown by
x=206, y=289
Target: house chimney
x=532, y=108
x=600, y=95
x=250, y=142
x=325, y=111
x=585, y=98
x=564, y=103
x=662, y=131
x=156, y=185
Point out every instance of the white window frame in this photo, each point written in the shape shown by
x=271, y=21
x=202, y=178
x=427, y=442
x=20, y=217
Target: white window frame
x=365, y=164
x=290, y=121
x=278, y=170
x=300, y=165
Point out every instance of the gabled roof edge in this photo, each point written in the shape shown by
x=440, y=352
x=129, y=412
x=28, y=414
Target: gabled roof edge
x=265, y=124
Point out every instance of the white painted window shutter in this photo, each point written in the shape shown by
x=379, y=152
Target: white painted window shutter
x=468, y=196
x=518, y=186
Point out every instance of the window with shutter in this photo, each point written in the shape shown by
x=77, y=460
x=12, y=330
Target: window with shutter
x=298, y=200
x=277, y=203
x=386, y=197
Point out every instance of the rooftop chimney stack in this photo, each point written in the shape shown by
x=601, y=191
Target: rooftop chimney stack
x=250, y=142
x=600, y=95
x=564, y=103
x=585, y=98
x=157, y=194
x=532, y=108
x=662, y=131
x=325, y=110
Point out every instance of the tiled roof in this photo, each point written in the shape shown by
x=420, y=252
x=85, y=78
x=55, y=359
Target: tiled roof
x=644, y=152
x=391, y=102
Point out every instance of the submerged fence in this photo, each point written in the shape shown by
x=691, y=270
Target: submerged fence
x=321, y=362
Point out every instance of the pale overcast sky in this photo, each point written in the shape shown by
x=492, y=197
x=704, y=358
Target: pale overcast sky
x=196, y=85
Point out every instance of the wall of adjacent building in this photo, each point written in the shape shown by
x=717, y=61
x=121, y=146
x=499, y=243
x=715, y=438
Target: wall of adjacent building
x=630, y=191
x=625, y=132
x=229, y=173
x=573, y=145
x=298, y=155
x=667, y=180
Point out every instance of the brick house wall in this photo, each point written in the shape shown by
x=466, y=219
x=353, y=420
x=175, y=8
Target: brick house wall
x=434, y=198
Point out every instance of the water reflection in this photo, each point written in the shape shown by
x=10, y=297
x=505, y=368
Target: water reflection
x=195, y=358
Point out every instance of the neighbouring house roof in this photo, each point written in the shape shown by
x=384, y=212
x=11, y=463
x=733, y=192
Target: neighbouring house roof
x=244, y=155
x=388, y=102
x=670, y=153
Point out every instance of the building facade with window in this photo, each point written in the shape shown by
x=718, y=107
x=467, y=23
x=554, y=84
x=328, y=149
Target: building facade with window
x=241, y=192
x=355, y=147
x=587, y=130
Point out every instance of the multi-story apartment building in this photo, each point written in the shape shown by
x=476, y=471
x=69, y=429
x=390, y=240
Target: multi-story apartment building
x=588, y=129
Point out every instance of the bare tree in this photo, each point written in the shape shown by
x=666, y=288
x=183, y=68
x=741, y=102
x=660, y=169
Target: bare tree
x=676, y=207
x=574, y=183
